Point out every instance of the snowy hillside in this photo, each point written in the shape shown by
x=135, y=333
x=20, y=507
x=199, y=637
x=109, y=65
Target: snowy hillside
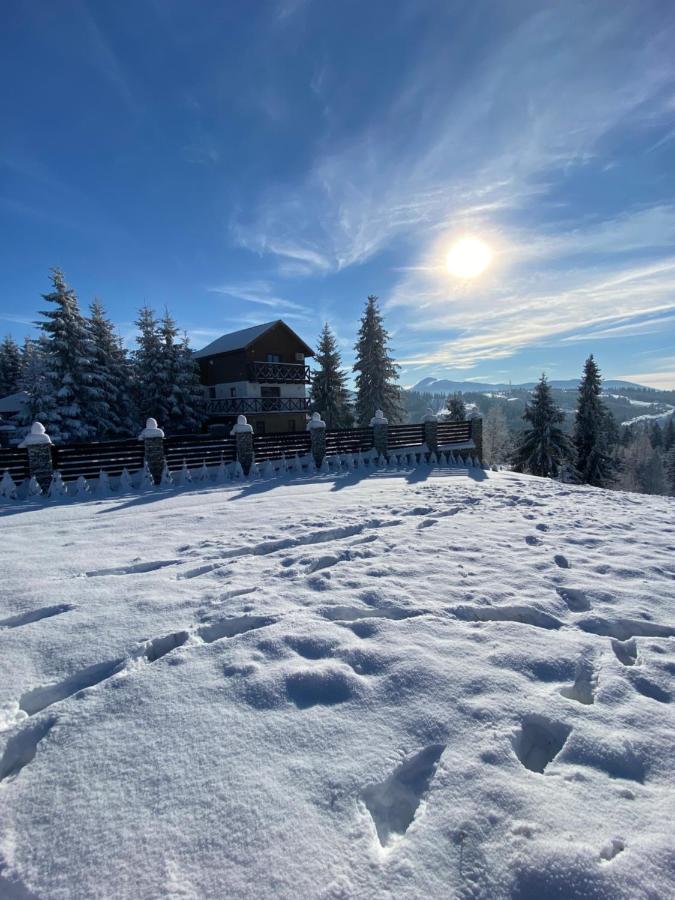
x=413, y=684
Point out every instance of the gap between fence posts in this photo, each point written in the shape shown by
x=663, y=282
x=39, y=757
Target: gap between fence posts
x=243, y=435
x=153, y=440
x=317, y=434
x=39, y=447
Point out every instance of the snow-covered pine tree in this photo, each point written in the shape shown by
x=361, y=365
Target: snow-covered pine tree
x=34, y=380
x=594, y=463
x=10, y=366
x=670, y=469
x=544, y=448
x=669, y=435
x=329, y=389
x=184, y=396
x=456, y=406
x=149, y=375
x=110, y=374
x=188, y=391
x=377, y=373
x=656, y=435
x=69, y=364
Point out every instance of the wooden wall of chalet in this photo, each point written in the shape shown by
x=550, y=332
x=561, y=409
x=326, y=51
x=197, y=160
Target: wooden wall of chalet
x=234, y=366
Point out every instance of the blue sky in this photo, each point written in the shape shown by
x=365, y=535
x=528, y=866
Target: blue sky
x=241, y=162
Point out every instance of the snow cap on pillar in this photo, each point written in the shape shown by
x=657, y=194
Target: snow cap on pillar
x=151, y=430
x=242, y=426
x=379, y=418
x=37, y=435
x=315, y=422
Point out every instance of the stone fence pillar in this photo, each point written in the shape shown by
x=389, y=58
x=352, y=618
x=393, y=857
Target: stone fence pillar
x=38, y=444
x=380, y=426
x=243, y=435
x=153, y=438
x=317, y=433
x=431, y=432
x=477, y=438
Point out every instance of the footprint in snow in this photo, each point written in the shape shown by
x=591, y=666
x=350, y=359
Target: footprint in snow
x=561, y=561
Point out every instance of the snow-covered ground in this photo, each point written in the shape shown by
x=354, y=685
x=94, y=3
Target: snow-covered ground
x=410, y=684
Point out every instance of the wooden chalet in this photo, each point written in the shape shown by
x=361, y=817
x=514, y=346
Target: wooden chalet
x=260, y=372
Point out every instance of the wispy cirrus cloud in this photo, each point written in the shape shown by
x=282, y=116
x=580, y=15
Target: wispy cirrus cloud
x=261, y=293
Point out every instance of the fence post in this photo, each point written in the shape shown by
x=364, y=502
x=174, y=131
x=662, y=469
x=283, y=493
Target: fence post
x=380, y=426
x=243, y=435
x=38, y=444
x=153, y=439
x=477, y=437
x=431, y=432
x=317, y=433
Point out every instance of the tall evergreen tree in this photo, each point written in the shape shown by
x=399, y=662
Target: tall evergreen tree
x=69, y=364
x=376, y=371
x=10, y=366
x=35, y=381
x=456, y=407
x=184, y=395
x=496, y=437
x=329, y=389
x=544, y=448
x=110, y=375
x=669, y=434
x=670, y=469
x=149, y=374
x=591, y=430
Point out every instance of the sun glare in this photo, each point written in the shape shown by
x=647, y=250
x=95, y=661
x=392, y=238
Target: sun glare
x=469, y=258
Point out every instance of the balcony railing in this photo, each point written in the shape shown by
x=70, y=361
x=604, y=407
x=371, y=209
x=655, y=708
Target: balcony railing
x=244, y=405
x=279, y=373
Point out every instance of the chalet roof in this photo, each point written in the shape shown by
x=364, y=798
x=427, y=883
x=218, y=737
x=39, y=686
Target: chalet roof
x=240, y=340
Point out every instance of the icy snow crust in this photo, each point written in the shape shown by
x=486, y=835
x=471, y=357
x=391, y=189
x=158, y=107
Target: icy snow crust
x=401, y=685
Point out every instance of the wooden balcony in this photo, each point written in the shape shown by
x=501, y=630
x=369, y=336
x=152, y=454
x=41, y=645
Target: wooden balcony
x=279, y=373
x=237, y=406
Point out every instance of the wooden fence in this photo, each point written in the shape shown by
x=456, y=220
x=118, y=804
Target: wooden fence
x=75, y=460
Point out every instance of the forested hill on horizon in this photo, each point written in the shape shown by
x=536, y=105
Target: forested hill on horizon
x=439, y=385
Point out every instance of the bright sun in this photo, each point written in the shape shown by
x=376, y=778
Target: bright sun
x=468, y=258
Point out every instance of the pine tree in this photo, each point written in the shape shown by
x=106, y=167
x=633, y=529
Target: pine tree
x=591, y=430
x=35, y=381
x=110, y=375
x=10, y=366
x=670, y=469
x=669, y=435
x=181, y=408
x=329, y=390
x=149, y=375
x=69, y=364
x=656, y=436
x=456, y=407
x=544, y=448
x=377, y=373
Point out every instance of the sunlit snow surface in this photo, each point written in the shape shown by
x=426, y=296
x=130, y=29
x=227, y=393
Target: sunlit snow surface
x=404, y=685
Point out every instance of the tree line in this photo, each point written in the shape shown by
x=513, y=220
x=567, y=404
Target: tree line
x=83, y=384
x=596, y=452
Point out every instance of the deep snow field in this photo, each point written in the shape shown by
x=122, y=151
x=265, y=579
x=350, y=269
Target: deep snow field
x=408, y=684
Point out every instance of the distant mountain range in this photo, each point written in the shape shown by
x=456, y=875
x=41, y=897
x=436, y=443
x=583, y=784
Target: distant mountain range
x=444, y=386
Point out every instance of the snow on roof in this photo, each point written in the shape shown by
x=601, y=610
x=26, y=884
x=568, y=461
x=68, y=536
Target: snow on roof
x=13, y=402
x=239, y=340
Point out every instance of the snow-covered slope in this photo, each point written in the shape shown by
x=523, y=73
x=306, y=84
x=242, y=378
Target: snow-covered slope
x=415, y=684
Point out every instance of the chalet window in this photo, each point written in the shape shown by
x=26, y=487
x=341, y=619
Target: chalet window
x=300, y=357
x=233, y=392
x=270, y=390
x=273, y=358
x=212, y=393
